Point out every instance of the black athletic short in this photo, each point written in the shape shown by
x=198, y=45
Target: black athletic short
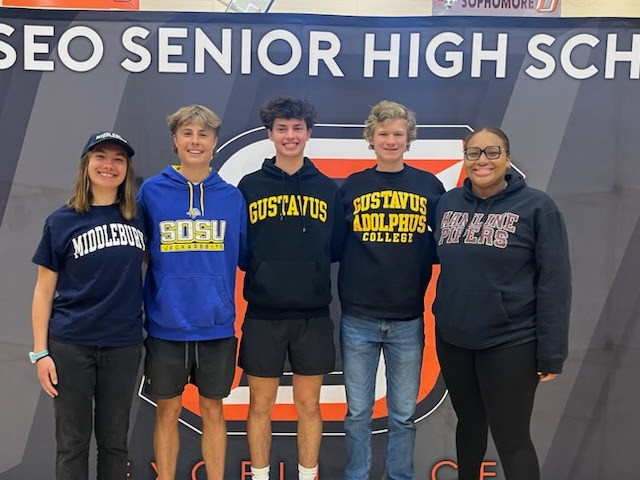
x=307, y=341
x=169, y=366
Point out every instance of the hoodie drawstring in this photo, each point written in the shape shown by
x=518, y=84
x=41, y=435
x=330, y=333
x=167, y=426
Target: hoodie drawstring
x=191, y=209
x=201, y=200
x=190, y=196
x=282, y=178
x=297, y=196
x=299, y=199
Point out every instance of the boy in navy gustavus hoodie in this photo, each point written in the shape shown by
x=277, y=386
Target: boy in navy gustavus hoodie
x=295, y=231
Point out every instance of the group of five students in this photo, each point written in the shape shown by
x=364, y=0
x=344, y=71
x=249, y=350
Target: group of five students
x=284, y=225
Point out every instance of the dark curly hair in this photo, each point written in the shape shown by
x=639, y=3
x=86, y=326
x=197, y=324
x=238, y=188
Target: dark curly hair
x=288, y=108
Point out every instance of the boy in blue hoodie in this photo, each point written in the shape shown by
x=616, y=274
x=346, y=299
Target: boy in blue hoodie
x=196, y=228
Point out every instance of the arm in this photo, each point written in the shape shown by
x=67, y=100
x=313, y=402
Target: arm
x=553, y=294
x=433, y=214
x=243, y=258
x=40, y=314
x=142, y=212
x=339, y=229
x=432, y=206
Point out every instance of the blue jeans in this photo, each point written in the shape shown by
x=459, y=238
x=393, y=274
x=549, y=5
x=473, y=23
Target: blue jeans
x=402, y=344
x=106, y=376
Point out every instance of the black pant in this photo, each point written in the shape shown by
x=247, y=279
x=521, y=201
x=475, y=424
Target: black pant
x=106, y=375
x=492, y=388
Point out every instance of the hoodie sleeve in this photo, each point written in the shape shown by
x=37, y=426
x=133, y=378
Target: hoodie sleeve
x=243, y=257
x=143, y=211
x=433, y=203
x=432, y=215
x=339, y=228
x=140, y=198
x=553, y=292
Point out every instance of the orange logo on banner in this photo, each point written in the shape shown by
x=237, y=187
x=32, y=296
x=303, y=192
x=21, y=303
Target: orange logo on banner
x=76, y=4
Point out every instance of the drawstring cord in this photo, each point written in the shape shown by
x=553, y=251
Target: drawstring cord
x=191, y=209
x=201, y=198
x=299, y=200
x=282, y=178
x=186, y=354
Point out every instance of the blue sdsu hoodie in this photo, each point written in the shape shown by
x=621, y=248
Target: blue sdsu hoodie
x=506, y=278
x=196, y=239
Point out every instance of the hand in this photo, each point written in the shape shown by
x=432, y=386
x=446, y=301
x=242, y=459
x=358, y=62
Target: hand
x=545, y=377
x=48, y=376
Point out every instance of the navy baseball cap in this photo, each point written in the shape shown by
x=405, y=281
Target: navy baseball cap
x=105, y=136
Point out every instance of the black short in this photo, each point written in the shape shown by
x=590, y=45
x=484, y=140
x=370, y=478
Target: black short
x=169, y=366
x=307, y=341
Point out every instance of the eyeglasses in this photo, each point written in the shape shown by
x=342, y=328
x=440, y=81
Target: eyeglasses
x=492, y=152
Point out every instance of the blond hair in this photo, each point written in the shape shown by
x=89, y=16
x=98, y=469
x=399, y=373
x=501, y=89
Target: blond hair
x=385, y=111
x=193, y=114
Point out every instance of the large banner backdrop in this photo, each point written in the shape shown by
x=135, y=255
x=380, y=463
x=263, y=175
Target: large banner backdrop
x=567, y=92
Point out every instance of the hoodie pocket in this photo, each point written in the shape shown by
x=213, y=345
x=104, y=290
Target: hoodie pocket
x=193, y=300
x=286, y=285
x=469, y=318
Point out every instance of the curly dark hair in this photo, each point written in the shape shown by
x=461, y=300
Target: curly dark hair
x=288, y=108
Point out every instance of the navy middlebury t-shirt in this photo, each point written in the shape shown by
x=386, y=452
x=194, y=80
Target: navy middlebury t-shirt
x=98, y=257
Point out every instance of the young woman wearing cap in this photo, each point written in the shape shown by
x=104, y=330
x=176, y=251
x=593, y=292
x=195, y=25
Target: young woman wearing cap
x=87, y=319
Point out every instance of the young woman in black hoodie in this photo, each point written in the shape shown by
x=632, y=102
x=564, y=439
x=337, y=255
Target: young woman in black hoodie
x=502, y=304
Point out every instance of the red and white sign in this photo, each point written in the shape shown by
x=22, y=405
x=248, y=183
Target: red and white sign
x=497, y=8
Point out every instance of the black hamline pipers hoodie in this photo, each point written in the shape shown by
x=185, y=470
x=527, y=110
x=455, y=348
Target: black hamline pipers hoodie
x=506, y=277
x=295, y=231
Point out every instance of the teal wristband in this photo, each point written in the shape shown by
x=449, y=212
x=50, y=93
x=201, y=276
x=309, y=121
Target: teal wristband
x=35, y=356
